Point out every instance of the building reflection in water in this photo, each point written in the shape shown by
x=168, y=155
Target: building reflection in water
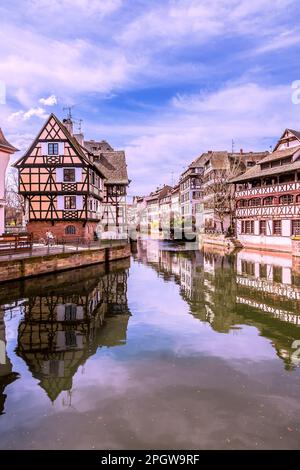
x=67, y=317
x=7, y=376
x=229, y=291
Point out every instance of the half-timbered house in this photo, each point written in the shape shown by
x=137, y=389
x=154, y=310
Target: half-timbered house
x=268, y=197
x=112, y=165
x=65, y=184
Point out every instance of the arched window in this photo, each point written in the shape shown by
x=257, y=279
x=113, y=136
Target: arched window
x=242, y=203
x=268, y=201
x=255, y=202
x=286, y=199
x=70, y=230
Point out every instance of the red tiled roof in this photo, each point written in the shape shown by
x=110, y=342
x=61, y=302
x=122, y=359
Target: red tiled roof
x=5, y=145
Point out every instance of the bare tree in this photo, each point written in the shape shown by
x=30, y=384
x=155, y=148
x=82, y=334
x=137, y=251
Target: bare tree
x=15, y=203
x=220, y=193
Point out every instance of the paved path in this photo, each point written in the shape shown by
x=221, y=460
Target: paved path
x=41, y=250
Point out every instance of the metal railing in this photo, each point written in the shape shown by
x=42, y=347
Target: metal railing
x=15, y=243
x=57, y=246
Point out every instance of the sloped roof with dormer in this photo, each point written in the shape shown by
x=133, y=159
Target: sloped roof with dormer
x=279, y=154
x=159, y=193
x=97, y=147
x=113, y=166
x=257, y=172
x=283, y=139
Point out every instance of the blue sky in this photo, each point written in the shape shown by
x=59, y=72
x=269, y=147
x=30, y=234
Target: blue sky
x=164, y=80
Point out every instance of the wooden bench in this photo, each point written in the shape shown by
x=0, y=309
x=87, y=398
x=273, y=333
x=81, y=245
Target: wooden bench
x=15, y=243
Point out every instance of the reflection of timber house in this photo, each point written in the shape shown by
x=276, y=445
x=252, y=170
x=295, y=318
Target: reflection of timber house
x=227, y=292
x=267, y=282
x=65, y=324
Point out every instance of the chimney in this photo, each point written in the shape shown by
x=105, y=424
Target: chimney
x=68, y=123
x=209, y=151
x=241, y=150
x=80, y=138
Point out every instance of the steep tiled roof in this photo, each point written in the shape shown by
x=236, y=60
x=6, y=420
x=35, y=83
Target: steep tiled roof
x=220, y=160
x=113, y=166
x=175, y=189
x=5, y=145
x=97, y=147
x=159, y=193
x=111, y=163
x=198, y=162
x=278, y=154
x=296, y=133
x=257, y=172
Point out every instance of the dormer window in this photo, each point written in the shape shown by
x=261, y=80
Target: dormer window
x=53, y=148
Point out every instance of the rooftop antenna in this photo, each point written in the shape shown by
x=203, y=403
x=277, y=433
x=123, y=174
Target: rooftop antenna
x=232, y=146
x=69, y=109
x=80, y=125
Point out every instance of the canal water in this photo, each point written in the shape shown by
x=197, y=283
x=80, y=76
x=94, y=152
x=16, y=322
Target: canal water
x=172, y=349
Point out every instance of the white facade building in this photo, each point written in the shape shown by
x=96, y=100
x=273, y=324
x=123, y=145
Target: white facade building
x=6, y=150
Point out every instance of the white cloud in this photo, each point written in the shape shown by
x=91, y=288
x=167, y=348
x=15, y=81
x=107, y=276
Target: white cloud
x=82, y=52
x=251, y=114
x=16, y=115
x=26, y=115
x=50, y=101
x=76, y=7
x=282, y=40
x=38, y=112
x=199, y=21
x=69, y=67
x=249, y=98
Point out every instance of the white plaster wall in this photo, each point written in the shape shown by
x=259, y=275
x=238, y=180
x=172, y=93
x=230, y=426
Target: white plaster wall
x=286, y=275
x=44, y=147
x=4, y=160
x=286, y=228
x=2, y=225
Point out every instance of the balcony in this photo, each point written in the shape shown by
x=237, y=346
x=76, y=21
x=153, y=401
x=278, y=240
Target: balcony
x=267, y=190
x=268, y=211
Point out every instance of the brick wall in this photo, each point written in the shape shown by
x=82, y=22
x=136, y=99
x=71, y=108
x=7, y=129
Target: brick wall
x=39, y=229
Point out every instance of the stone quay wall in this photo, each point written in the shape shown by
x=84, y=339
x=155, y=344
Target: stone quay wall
x=19, y=268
